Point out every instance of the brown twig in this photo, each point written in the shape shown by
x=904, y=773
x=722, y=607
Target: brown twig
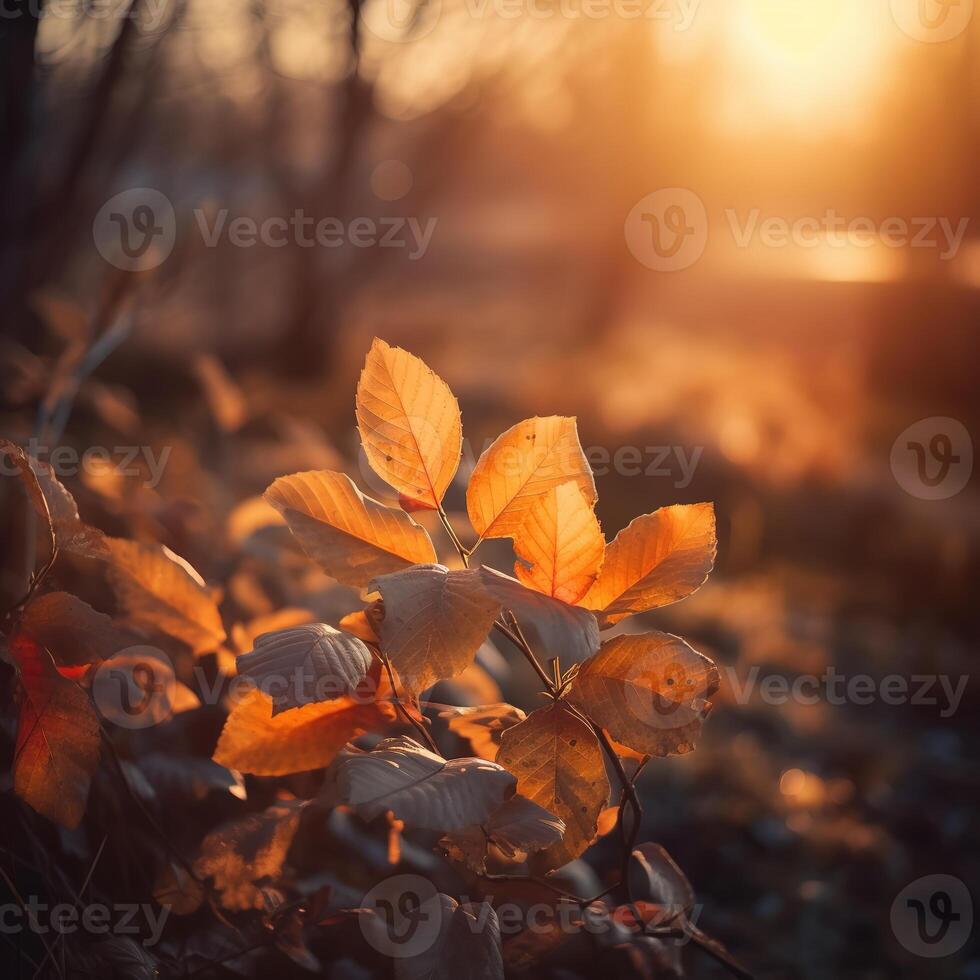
x=399, y=706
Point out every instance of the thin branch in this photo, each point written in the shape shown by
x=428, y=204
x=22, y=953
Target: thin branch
x=396, y=701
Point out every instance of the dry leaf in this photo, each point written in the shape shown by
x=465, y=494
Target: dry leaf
x=649, y=690
x=57, y=748
x=176, y=890
x=658, y=559
x=422, y=788
x=559, y=545
x=71, y=630
x=483, y=726
x=306, y=664
x=352, y=537
x=409, y=424
x=516, y=829
x=159, y=589
x=246, y=851
x=655, y=877
x=434, y=621
x=553, y=628
x=294, y=741
x=558, y=763
x=244, y=635
x=529, y=459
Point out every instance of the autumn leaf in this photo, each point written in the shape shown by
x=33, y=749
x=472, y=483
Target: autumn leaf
x=552, y=627
x=71, y=630
x=249, y=851
x=559, y=545
x=159, y=589
x=558, y=763
x=409, y=424
x=422, y=788
x=308, y=737
x=54, y=505
x=354, y=538
x=57, y=748
x=176, y=890
x=514, y=830
x=244, y=635
x=525, y=462
x=434, y=621
x=483, y=726
x=306, y=664
x=657, y=559
x=364, y=623
x=649, y=690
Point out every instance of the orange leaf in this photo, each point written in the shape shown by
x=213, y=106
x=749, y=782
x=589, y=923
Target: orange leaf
x=658, y=559
x=255, y=741
x=525, y=462
x=351, y=536
x=560, y=539
x=558, y=763
x=159, y=589
x=650, y=690
x=71, y=630
x=409, y=424
x=57, y=747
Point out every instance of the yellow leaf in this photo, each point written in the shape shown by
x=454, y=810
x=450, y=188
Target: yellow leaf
x=560, y=539
x=57, y=746
x=409, y=424
x=255, y=741
x=434, y=621
x=658, y=559
x=558, y=763
x=526, y=461
x=649, y=690
x=159, y=589
x=351, y=536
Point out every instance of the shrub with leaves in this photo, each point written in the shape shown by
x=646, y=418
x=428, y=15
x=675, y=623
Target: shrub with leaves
x=349, y=700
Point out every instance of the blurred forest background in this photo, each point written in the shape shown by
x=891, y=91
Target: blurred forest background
x=787, y=372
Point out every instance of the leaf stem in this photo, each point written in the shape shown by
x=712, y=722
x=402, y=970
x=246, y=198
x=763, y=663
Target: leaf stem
x=397, y=702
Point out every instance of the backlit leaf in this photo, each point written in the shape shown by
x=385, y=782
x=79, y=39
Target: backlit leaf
x=655, y=877
x=649, y=690
x=159, y=589
x=657, y=559
x=409, y=424
x=305, y=664
x=559, y=545
x=434, y=621
x=57, y=748
x=255, y=741
x=526, y=461
x=352, y=537
x=558, y=763
x=422, y=788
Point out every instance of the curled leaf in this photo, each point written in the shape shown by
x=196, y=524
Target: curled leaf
x=306, y=664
